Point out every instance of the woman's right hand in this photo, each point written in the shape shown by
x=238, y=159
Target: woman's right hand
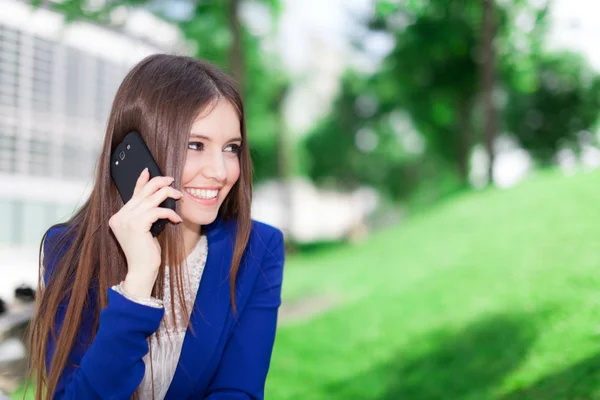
x=131, y=226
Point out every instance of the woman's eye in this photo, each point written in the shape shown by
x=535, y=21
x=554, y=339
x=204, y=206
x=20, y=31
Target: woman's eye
x=196, y=146
x=233, y=148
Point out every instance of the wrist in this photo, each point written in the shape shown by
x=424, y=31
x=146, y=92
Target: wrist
x=138, y=285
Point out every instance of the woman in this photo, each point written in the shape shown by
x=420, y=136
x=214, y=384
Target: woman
x=191, y=313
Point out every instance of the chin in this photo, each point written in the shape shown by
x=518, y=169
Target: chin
x=197, y=214
x=201, y=218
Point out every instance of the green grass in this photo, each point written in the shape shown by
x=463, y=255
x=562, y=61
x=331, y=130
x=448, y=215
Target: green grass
x=491, y=295
x=19, y=394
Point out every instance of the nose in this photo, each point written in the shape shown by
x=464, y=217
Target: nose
x=214, y=168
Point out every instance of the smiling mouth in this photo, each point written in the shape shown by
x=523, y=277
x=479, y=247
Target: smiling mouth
x=203, y=194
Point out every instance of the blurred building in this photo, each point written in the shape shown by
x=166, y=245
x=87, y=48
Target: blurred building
x=57, y=82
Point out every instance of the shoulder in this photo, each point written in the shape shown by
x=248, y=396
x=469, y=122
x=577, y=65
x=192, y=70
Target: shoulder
x=55, y=243
x=265, y=247
x=263, y=259
x=262, y=237
x=55, y=232
x=265, y=232
x=57, y=239
x=265, y=240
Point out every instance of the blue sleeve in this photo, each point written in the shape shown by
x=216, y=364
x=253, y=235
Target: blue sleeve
x=111, y=366
x=246, y=358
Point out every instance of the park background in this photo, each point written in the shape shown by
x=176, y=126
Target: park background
x=432, y=163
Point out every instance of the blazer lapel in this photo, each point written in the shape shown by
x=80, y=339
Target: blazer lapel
x=209, y=314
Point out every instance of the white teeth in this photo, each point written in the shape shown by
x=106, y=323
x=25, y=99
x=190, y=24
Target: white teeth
x=203, y=194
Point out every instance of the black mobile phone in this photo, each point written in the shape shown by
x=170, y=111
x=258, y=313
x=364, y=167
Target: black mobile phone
x=127, y=162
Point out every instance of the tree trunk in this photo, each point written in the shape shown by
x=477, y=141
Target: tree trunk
x=284, y=158
x=488, y=77
x=236, y=53
x=464, y=140
x=282, y=147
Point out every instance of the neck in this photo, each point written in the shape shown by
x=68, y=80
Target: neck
x=191, y=236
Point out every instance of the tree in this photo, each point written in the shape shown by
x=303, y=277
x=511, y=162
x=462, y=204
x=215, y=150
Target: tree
x=488, y=81
x=435, y=67
x=562, y=103
x=351, y=147
x=236, y=53
x=441, y=48
x=451, y=65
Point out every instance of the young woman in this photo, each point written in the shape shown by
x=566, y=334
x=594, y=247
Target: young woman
x=191, y=313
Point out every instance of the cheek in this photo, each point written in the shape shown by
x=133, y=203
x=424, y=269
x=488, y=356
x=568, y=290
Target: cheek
x=233, y=171
x=189, y=173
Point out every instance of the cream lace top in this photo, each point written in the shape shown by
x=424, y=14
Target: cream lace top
x=167, y=342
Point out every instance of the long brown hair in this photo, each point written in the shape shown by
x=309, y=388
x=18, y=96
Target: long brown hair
x=160, y=98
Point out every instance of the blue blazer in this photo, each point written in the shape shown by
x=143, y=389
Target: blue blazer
x=226, y=357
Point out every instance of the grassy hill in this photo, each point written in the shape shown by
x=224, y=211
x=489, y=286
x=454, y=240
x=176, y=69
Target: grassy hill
x=491, y=295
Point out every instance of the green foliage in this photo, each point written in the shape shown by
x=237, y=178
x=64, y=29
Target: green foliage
x=436, y=74
x=433, y=75
x=386, y=8
x=563, y=102
x=80, y=9
x=350, y=148
x=430, y=77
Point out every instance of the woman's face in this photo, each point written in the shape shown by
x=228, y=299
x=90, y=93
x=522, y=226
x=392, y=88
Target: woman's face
x=212, y=166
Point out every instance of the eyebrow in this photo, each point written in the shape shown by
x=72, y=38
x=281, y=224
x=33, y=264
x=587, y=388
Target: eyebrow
x=208, y=139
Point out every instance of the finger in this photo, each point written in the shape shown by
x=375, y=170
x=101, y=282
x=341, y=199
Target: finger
x=154, y=185
x=141, y=181
x=160, y=196
x=155, y=214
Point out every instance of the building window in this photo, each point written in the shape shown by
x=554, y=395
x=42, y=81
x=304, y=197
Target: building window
x=9, y=218
x=72, y=82
x=43, y=52
x=108, y=78
x=39, y=157
x=54, y=102
x=8, y=150
x=36, y=217
x=9, y=69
